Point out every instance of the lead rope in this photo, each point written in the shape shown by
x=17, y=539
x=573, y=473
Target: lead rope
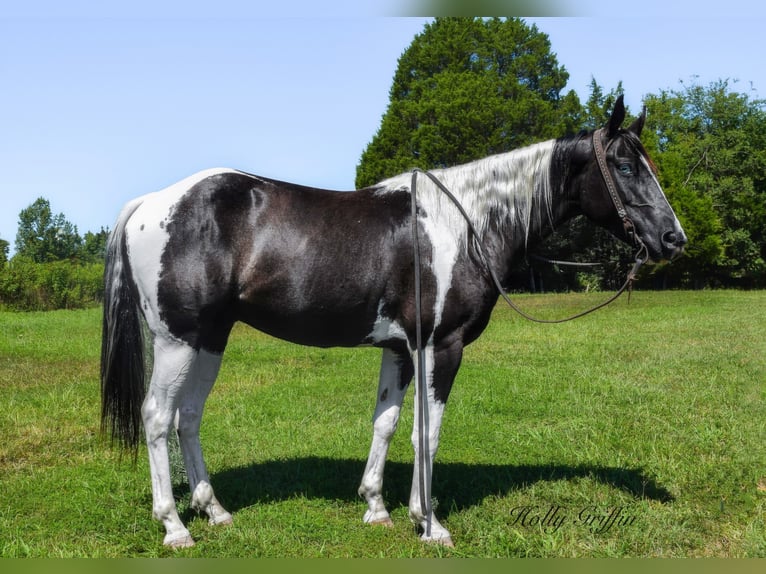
x=424, y=454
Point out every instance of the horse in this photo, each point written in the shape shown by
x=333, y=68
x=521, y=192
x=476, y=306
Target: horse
x=328, y=268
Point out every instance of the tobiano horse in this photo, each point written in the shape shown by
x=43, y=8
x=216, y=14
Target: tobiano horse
x=326, y=268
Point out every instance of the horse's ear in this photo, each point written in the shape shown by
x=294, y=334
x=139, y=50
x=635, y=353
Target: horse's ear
x=618, y=116
x=638, y=124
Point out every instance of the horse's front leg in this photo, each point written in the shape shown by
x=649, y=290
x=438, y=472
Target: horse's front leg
x=395, y=375
x=441, y=366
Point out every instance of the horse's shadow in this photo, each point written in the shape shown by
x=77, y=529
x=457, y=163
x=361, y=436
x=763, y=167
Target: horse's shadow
x=457, y=486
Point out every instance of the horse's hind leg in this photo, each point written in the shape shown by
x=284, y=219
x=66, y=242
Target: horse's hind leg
x=202, y=377
x=395, y=375
x=173, y=362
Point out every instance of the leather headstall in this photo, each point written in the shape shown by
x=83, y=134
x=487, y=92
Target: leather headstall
x=600, y=151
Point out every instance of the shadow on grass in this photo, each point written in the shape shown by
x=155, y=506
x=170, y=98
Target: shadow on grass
x=456, y=485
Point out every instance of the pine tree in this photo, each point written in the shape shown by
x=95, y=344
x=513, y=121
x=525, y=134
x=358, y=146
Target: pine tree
x=467, y=88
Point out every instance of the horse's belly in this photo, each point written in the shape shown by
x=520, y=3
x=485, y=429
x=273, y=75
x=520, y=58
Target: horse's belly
x=326, y=326
x=316, y=327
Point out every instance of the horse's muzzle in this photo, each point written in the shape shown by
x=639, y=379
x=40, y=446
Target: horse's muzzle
x=673, y=243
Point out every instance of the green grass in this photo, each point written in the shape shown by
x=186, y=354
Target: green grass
x=654, y=407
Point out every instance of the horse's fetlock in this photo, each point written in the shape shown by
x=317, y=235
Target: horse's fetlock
x=202, y=496
x=163, y=511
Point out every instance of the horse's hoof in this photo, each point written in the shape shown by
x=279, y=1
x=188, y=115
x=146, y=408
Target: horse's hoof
x=183, y=541
x=380, y=517
x=445, y=541
x=221, y=521
x=387, y=522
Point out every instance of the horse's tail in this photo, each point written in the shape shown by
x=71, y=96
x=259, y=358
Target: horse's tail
x=122, y=343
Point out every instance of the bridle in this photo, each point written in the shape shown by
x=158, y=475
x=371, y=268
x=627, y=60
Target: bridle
x=600, y=151
x=642, y=255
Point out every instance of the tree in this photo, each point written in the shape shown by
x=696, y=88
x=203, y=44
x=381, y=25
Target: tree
x=710, y=146
x=94, y=245
x=4, y=248
x=44, y=237
x=598, y=108
x=467, y=88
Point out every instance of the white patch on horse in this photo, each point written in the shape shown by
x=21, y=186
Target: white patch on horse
x=659, y=187
x=385, y=329
x=445, y=250
x=147, y=234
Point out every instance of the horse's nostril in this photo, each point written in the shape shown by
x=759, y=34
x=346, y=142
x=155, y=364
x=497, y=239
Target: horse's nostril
x=673, y=243
x=670, y=238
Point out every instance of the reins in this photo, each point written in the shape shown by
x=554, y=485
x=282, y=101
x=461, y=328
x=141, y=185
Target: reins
x=424, y=448
x=564, y=263
x=423, y=429
x=600, y=152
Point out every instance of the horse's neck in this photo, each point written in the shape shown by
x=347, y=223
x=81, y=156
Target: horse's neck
x=538, y=200
x=511, y=200
x=506, y=190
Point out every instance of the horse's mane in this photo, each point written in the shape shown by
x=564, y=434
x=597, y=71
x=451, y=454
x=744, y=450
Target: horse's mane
x=500, y=191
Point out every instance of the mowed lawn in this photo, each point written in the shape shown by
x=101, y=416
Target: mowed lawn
x=636, y=431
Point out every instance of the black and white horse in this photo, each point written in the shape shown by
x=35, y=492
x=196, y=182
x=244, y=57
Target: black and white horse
x=327, y=269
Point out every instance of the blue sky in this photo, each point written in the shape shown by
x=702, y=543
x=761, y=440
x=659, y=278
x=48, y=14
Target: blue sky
x=102, y=103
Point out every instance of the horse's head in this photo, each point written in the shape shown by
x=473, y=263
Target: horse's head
x=623, y=194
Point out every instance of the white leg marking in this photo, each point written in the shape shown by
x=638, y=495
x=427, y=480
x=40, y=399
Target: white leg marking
x=387, y=409
x=433, y=421
x=201, y=379
x=172, y=361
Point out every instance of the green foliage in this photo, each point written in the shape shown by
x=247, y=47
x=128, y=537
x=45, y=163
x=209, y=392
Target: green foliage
x=54, y=268
x=598, y=108
x=4, y=249
x=29, y=286
x=94, y=246
x=709, y=144
x=44, y=237
x=466, y=88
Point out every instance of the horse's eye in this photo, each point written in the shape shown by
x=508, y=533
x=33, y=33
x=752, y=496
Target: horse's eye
x=625, y=169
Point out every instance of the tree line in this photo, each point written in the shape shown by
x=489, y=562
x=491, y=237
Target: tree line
x=54, y=267
x=466, y=88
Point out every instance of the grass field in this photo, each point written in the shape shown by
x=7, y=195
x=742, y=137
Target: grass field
x=637, y=431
